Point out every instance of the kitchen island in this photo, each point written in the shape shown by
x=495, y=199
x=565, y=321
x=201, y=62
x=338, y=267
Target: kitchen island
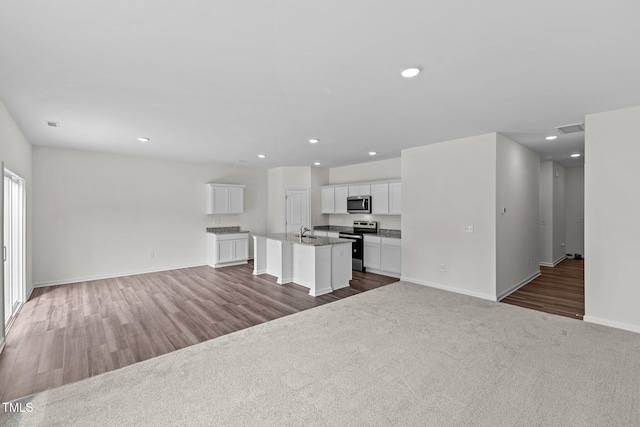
x=322, y=264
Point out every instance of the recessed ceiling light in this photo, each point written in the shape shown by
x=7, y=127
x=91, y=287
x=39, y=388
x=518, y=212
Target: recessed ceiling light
x=314, y=140
x=550, y=137
x=317, y=163
x=262, y=156
x=143, y=139
x=575, y=155
x=372, y=153
x=407, y=73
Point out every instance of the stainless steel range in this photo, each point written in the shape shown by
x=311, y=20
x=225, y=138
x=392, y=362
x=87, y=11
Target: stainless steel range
x=359, y=228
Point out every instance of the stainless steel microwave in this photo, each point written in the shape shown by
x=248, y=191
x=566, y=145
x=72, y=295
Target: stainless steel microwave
x=359, y=204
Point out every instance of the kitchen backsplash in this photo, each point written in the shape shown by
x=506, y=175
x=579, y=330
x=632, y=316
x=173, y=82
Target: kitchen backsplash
x=384, y=221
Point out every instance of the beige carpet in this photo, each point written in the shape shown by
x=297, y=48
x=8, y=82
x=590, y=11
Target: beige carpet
x=401, y=355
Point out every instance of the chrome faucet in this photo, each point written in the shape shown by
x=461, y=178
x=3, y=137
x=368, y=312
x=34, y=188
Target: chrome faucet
x=303, y=230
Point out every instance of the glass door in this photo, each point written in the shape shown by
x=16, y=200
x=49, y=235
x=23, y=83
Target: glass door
x=13, y=249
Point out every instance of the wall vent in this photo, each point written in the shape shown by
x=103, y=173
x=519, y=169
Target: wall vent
x=53, y=124
x=578, y=127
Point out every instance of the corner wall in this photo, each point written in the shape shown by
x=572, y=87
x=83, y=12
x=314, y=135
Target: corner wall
x=446, y=187
x=612, y=209
x=101, y=215
x=517, y=230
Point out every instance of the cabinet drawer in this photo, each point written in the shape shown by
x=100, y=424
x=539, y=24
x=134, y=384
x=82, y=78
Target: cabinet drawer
x=372, y=239
x=391, y=242
x=235, y=236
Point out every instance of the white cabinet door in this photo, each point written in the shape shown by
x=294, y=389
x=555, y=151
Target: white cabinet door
x=320, y=233
x=360, y=190
x=372, y=255
x=395, y=198
x=224, y=199
x=236, y=196
x=328, y=200
x=380, y=199
x=225, y=251
x=390, y=258
x=240, y=249
x=333, y=234
x=341, y=194
x=218, y=200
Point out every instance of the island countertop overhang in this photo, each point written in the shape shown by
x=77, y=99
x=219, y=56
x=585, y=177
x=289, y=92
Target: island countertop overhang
x=307, y=240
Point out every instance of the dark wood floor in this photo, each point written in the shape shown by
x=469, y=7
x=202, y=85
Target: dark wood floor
x=67, y=333
x=558, y=290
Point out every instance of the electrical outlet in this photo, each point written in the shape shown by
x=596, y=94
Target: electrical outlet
x=443, y=267
x=152, y=255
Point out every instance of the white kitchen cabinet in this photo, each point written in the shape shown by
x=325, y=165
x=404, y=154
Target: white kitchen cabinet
x=360, y=190
x=341, y=194
x=227, y=249
x=328, y=205
x=372, y=252
x=333, y=234
x=390, y=256
x=319, y=233
x=395, y=198
x=225, y=199
x=382, y=255
x=380, y=198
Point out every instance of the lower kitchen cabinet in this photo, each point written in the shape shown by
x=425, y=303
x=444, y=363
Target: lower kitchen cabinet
x=227, y=249
x=382, y=255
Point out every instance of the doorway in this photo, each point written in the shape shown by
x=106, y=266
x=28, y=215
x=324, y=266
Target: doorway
x=297, y=210
x=13, y=249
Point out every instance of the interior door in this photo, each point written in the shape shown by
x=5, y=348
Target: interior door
x=13, y=245
x=297, y=210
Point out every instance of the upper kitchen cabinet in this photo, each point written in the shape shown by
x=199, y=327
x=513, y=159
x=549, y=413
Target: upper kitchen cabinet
x=360, y=190
x=385, y=197
x=380, y=198
x=395, y=198
x=328, y=200
x=225, y=198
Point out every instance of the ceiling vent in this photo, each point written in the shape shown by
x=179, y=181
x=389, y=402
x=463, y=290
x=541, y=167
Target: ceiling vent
x=53, y=124
x=578, y=127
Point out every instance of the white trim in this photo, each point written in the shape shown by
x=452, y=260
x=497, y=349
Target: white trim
x=556, y=262
x=382, y=272
x=612, y=323
x=111, y=276
x=449, y=288
x=519, y=285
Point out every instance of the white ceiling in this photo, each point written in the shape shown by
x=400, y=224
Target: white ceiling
x=217, y=81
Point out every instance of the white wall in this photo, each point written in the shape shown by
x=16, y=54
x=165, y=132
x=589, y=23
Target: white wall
x=612, y=209
x=574, y=207
x=559, y=217
x=446, y=187
x=517, y=230
x=15, y=152
x=98, y=215
x=319, y=177
x=289, y=178
x=371, y=171
x=546, y=213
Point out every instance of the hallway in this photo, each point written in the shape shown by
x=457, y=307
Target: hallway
x=558, y=290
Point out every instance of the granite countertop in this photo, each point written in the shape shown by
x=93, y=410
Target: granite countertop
x=225, y=230
x=382, y=232
x=307, y=240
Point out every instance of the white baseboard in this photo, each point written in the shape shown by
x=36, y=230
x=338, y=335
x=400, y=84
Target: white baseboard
x=556, y=262
x=612, y=323
x=111, y=276
x=518, y=286
x=450, y=289
x=382, y=272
